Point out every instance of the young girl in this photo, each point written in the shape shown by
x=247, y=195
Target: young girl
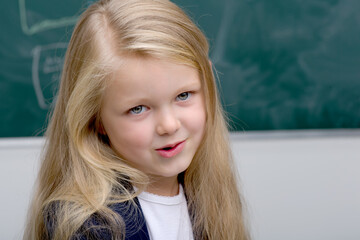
x=137, y=144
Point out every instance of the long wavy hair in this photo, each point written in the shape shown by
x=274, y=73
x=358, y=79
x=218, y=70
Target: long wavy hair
x=81, y=175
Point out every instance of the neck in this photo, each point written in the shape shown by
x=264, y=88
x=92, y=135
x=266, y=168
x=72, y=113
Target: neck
x=164, y=186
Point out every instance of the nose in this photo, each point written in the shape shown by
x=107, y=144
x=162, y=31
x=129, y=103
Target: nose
x=168, y=123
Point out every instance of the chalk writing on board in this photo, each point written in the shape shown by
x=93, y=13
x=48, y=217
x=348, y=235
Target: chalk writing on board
x=46, y=69
x=223, y=65
x=337, y=56
x=43, y=24
x=228, y=16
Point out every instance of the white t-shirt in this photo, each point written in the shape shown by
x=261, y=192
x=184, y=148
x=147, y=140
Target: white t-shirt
x=167, y=218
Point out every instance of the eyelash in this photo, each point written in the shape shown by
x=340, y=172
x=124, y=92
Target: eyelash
x=188, y=94
x=133, y=110
x=141, y=108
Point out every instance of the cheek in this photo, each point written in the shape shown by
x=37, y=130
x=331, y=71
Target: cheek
x=129, y=137
x=197, y=120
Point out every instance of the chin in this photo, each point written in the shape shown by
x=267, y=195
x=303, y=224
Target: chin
x=175, y=173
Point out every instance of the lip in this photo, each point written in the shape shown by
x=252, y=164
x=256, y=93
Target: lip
x=175, y=149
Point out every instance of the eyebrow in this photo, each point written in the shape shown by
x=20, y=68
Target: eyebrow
x=132, y=101
x=191, y=85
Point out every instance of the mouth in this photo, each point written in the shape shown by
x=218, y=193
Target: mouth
x=171, y=150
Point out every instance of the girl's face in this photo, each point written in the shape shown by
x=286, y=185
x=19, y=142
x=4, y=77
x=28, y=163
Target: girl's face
x=154, y=115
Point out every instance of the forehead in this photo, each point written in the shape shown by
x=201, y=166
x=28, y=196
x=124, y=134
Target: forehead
x=148, y=71
x=139, y=76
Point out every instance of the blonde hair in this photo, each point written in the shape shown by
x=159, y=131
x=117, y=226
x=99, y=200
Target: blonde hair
x=81, y=175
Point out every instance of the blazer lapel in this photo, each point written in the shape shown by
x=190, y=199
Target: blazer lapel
x=134, y=219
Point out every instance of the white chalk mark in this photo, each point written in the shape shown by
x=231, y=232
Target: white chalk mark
x=229, y=13
x=36, y=68
x=319, y=62
x=44, y=25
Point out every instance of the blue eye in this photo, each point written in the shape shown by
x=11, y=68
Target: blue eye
x=137, y=110
x=183, y=96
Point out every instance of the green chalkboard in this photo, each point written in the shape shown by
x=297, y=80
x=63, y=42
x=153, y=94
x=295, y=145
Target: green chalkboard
x=281, y=64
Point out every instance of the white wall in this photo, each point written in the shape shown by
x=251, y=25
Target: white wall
x=301, y=186
x=298, y=185
x=18, y=166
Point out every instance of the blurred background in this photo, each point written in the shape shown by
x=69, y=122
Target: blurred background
x=281, y=64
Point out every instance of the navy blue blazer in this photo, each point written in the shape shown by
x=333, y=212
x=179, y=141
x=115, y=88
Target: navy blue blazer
x=133, y=217
x=95, y=229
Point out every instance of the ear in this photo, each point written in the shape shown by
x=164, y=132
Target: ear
x=210, y=63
